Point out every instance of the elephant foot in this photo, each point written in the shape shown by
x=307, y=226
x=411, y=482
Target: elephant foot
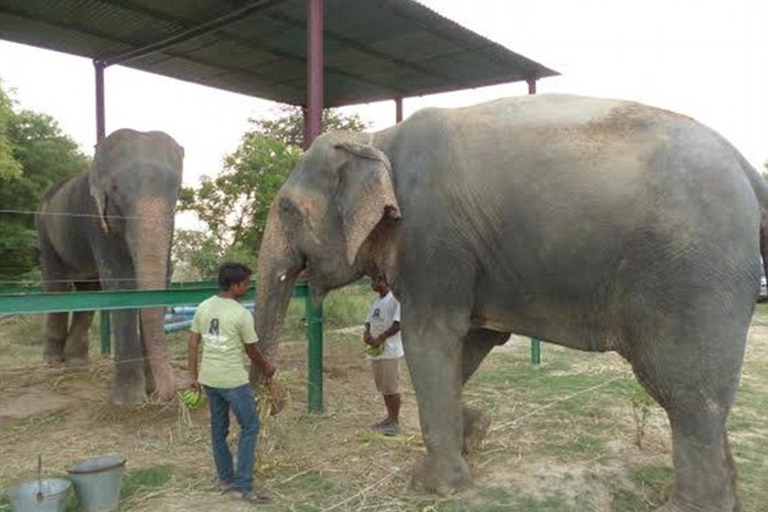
x=76, y=363
x=126, y=395
x=53, y=359
x=674, y=506
x=476, y=425
x=129, y=387
x=441, y=475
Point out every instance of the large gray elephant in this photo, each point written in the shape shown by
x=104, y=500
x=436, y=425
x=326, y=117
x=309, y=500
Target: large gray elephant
x=116, y=234
x=595, y=224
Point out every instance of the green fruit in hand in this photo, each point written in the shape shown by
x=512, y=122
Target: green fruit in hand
x=192, y=398
x=374, y=351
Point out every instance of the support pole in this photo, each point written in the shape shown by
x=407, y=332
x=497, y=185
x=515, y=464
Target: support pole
x=535, y=351
x=313, y=128
x=98, y=66
x=314, y=70
x=531, y=85
x=398, y=110
x=314, y=314
x=106, y=333
x=535, y=344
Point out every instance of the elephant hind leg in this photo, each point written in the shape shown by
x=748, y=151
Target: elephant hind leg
x=697, y=397
x=56, y=329
x=56, y=324
x=76, y=346
x=477, y=344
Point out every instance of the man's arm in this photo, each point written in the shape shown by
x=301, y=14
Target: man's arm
x=260, y=360
x=383, y=337
x=367, y=337
x=192, y=349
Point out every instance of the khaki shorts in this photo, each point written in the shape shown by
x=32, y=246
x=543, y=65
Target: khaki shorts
x=385, y=375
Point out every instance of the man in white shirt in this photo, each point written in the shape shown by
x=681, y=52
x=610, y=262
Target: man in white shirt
x=382, y=335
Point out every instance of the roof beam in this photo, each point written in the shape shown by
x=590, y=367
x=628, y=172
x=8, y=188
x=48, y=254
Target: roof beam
x=400, y=12
x=191, y=33
x=112, y=39
x=362, y=48
x=250, y=43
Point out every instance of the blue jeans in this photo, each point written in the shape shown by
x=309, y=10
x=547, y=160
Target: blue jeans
x=240, y=399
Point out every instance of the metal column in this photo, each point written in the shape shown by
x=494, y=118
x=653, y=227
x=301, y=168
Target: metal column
x=313, y=118
x=98, y=67
x=398, y=109
x=106, y=332
x=535, y=344
x=531, y=85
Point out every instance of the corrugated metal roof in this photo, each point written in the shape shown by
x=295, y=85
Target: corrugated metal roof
x=374, y=49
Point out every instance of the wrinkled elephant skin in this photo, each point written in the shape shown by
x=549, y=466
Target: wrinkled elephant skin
x=600, y=225
x=119, y=238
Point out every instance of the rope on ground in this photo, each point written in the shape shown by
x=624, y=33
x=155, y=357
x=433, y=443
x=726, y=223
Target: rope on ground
x=362, y=493
x=516, y=422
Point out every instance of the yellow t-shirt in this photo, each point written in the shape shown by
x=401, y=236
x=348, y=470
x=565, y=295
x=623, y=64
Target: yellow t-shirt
x=225, y=325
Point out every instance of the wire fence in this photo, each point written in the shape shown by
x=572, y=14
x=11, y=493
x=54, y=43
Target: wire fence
x=87, y=280
x=84, y=215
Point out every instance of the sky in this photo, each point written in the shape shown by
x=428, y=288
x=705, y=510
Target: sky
x=707, y=59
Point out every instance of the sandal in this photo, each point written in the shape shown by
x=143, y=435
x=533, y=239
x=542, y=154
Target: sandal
x=253, y=497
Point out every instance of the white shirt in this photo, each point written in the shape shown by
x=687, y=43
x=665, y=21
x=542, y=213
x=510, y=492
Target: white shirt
x=383, y=313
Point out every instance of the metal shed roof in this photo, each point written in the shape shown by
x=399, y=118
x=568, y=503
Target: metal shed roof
x=374, y=49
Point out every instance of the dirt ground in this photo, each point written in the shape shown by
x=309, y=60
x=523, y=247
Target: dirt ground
x=563, y=438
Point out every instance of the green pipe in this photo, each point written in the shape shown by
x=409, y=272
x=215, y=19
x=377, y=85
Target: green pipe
x=535, y=351
x=106, y=332
x=314, y=315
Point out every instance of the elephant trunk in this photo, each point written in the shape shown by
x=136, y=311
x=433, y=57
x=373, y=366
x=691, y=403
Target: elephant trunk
x=152, y=234
x=278, y=267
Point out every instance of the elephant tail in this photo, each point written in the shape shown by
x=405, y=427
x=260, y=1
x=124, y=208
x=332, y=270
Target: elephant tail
x=760, y=188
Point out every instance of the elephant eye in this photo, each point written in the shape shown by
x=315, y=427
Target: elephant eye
x=287, y=207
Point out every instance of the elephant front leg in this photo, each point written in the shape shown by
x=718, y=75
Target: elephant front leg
x=129, y=386
x=433, y=353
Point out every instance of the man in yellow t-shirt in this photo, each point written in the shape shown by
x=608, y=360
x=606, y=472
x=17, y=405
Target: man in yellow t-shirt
x=225, y=327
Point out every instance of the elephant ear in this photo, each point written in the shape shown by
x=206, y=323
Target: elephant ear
x=98, y=193
x=366, y=194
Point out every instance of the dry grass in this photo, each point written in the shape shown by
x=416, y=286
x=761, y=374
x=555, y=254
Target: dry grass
x=573, y=450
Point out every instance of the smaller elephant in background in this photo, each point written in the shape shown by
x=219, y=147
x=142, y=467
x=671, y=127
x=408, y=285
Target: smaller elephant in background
x=111, y=228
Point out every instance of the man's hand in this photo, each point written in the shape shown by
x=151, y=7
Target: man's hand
x=194, y=384
x=367, y=338
x=378, y=341
x=261, y=361
x=269, y=368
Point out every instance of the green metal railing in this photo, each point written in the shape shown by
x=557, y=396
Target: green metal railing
x=33, y=300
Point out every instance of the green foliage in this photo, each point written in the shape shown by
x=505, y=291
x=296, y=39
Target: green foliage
x=235, y=204
x=9, y=167
x=143, y=480
x=34, y=154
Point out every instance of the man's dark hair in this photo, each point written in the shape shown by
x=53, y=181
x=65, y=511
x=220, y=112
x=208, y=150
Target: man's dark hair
x=233, y=273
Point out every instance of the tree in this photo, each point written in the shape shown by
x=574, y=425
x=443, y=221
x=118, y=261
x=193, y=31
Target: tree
x=34, y=154
x=234, y=205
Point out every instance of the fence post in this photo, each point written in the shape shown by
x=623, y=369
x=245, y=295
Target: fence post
x=106, y=331
x=535, y=351
x=314, y=314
